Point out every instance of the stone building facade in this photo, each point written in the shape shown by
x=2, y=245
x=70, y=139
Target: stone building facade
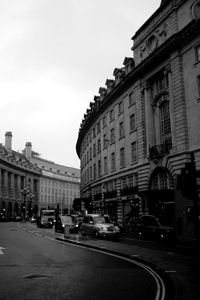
x=19, y=183
x=59, y=185
x=139, y=141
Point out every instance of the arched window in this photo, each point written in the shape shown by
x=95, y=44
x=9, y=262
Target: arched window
x=161, y=179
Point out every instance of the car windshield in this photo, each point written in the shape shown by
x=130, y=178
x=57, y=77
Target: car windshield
x=66, y=220
x=45, y=218
x=101, y=220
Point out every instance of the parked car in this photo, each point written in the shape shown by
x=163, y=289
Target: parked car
x=62, y=221
x=149, y=227
x=99, y=226
x=44, y=222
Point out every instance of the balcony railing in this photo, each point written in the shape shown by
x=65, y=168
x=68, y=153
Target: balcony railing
x=159, y=150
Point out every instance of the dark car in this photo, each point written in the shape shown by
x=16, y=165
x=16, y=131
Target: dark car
x=149, y=227
x=62, y=221
x=45, y=222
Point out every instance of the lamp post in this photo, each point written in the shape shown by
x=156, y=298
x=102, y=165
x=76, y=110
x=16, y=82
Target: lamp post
x=24, y=193
x=104, y=202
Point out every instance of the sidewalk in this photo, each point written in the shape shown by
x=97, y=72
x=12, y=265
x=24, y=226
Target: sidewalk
x=183, y=269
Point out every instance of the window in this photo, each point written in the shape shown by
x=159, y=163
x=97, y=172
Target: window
x=133, y=153
x=132, y=122
x=95, y=171
x=105, y=140
x=123, y=183
x=94, y=150
x=99, y=168
x=112, y=135
x=121, y=107
x=162, y=82
x=197, y=53
x=105, y=165
x=98, y=128
x=122, y=158
x=131, y=98
x=130, y=181
x=90, y=153
x=99, y=146
x=121, y=129
x=198, y=85
x=165, y=126
x=111, y=115
x=113, y=161
x=104, y=121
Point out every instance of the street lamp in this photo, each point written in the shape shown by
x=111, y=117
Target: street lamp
x=104, y=202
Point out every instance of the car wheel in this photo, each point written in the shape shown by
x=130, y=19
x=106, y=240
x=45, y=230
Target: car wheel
x=83, y=233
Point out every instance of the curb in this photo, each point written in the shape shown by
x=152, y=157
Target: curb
x=169, y=283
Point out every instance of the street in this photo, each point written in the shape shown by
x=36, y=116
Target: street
x=34, y=265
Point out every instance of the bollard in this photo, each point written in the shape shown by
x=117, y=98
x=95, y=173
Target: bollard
x=66, y=231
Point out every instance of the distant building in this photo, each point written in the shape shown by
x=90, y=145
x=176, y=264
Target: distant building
x=19, y=183
x=139, y=141
x=59, y=185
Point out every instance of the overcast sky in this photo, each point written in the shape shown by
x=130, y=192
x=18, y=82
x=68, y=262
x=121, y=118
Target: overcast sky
x=54, y=56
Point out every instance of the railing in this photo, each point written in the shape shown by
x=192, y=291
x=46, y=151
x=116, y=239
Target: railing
x=159, y=150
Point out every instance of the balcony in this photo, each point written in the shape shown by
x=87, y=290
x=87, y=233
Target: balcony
x=159, y=150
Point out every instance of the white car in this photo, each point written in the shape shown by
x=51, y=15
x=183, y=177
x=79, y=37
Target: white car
x=98, y=226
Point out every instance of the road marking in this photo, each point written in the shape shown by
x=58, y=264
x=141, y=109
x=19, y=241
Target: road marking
x=135, y=255
x=1, y=250
x=170, y=271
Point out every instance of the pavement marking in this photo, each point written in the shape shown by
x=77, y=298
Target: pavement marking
x=135, y=255
x=1, y=250
x=170, y=271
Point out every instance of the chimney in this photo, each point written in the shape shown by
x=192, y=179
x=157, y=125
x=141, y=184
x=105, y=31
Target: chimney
x=28, y=151
x=8, y=141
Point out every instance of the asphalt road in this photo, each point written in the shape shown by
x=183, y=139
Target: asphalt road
x=33, y=265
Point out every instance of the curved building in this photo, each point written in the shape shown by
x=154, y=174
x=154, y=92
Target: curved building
x=139, y=141
x=19, y=183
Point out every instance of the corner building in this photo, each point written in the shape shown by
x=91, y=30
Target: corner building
x=139, y=141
